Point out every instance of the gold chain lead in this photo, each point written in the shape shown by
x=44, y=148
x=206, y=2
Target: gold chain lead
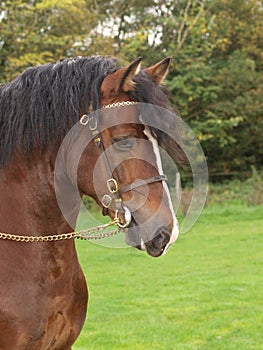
x=83, y=235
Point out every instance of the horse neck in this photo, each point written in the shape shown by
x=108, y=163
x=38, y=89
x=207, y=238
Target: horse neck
x=28, y=203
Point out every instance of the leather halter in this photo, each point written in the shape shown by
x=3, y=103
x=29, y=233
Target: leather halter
x=114, y=191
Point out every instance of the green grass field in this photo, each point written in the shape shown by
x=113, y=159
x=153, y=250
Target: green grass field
x=206, y=293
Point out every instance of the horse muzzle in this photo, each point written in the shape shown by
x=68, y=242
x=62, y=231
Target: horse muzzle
x=158, y=245
x=155, y=244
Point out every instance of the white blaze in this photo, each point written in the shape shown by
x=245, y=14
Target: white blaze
x=175, y=231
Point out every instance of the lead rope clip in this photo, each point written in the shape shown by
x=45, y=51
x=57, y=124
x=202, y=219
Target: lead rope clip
x=127, y=217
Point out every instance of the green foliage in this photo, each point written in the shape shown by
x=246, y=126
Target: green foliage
x=215, y=79
x=217, y=83
x=248, y=192
x=241, y=190
x=255, y=185
x=36, y=32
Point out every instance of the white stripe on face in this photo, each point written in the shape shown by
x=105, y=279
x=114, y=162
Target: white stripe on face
x=175, y=231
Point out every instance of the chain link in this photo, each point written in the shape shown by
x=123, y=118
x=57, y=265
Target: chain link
x=120, y=104
x=83, y=235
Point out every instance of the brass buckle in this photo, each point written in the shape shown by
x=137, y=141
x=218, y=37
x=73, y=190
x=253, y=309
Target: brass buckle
x=106, y=201
x=112, y=185
x=84, y=119
x=93, y=124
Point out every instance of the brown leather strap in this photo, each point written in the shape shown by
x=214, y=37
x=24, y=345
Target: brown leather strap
x=140, y=183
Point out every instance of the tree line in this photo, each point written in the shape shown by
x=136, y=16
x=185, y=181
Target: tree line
x=215, y=81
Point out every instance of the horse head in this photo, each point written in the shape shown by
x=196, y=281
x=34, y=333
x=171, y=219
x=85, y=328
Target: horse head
x=126, y=164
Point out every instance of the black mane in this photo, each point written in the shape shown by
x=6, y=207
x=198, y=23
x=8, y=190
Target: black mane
x=46, y=101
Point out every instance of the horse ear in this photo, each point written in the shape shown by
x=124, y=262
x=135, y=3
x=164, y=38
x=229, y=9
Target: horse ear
x=159, y=71
x=128, y=73
x=121, y=80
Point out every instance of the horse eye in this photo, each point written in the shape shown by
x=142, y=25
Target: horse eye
x=123, y=143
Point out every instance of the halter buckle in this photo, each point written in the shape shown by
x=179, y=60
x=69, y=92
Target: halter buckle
x=106, y=201
x=127, y=217
x=84, y=119
x=93, y=124
x=112, y=185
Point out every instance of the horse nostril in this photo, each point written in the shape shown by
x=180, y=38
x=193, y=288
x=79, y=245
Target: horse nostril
x=161, y=238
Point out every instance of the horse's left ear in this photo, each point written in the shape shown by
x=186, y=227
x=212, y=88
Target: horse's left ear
x=121, y=80
x=127, y=83
x=159, y=71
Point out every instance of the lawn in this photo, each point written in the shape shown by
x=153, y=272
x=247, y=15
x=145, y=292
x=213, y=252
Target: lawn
x=206, y=293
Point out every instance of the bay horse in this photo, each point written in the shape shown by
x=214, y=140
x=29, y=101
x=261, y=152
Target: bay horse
x=43, y=293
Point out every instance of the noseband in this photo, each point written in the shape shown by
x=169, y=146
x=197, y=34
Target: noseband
x=115, y=192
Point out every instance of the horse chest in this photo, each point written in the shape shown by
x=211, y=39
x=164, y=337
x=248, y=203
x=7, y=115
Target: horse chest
x=42, y=309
